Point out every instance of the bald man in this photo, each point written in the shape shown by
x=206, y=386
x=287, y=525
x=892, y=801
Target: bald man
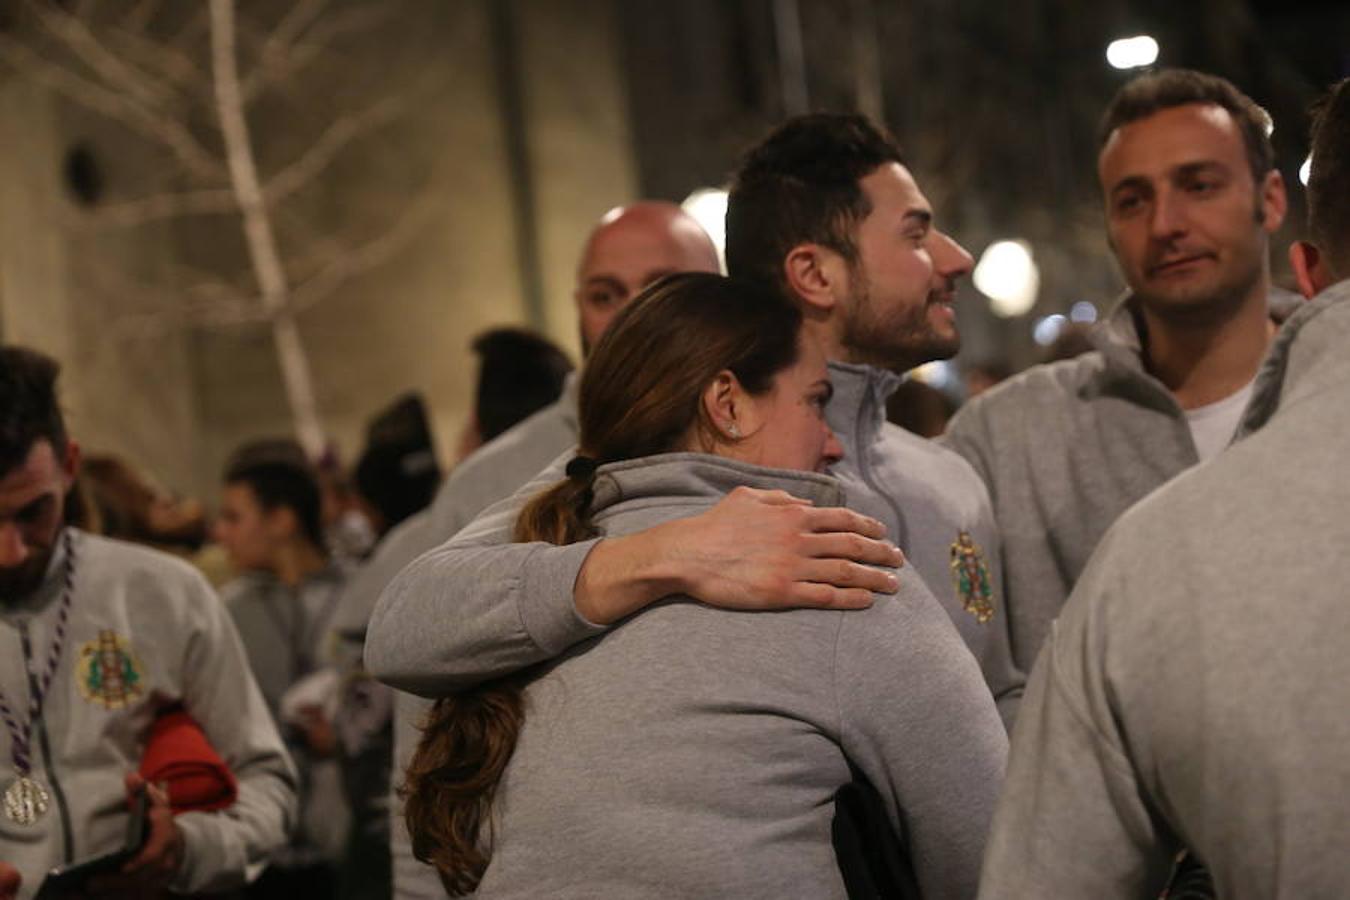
x=630, y=247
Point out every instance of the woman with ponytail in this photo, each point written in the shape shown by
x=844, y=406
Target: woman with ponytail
x=694, y=751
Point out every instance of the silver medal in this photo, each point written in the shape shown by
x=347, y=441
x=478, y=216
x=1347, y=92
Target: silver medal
x=25, y=801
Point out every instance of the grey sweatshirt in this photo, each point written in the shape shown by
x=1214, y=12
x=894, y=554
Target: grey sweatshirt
x=512, y=604
x=1065, y=448
x=1193, y=693
x=696, y=752
x=288, y=634
x=163, y=624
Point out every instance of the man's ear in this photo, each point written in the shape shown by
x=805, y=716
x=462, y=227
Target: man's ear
x=282, y=522
x=1310, y=269
x=1274, y=201
x=811, y=272
x=70, y=465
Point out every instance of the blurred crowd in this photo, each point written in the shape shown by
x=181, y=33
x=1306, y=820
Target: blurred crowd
x=739, y=608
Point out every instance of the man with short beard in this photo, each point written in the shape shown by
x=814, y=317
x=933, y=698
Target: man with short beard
x=99, y=641
x=825, y=211
x=1192, y=197
x=1193, y=693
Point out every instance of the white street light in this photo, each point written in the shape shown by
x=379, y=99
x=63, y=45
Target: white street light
x=1048, y=328
x=1132, y=52
x=1083, y=311
x=1305, y=170
x=1009, y=277
x=708, y=206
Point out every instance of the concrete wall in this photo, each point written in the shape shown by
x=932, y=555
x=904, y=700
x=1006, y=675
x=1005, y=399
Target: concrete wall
x=178, y=398
x=126, y=389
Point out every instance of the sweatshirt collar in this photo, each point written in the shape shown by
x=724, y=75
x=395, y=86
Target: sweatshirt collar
x=857, y=410
x=700, y=475
x=1303, y=359
x=567, y=400
x=1118, y=339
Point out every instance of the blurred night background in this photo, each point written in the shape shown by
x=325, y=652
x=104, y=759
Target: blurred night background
x=430, y=168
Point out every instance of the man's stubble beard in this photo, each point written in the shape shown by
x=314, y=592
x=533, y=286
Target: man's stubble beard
x=22, y=580
x=1219, y=305
x=898, y=346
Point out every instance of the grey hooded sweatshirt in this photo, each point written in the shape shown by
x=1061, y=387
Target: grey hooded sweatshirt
x=1065, y=448
x=154, y=621
x=695, y=752
x=511, y=605
x=1194, y=691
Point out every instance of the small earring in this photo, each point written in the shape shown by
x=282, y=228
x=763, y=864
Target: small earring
x=734, y=430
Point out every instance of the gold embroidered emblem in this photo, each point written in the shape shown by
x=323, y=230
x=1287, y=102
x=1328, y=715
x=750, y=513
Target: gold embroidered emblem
x=970, y=574
x=108, y=672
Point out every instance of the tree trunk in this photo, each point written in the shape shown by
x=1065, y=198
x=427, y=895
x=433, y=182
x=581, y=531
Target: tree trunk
x=262, y=245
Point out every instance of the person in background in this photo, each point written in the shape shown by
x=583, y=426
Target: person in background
x=397, y=473
x=98, y=638
x=1192, y=197
x=1193, y=693
x=519, y=373
x=283, y=605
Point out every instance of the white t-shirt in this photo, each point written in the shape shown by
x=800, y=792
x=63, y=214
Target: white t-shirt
x=1213, y=426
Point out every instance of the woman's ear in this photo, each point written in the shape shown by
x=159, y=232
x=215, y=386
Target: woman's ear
x=723, y=405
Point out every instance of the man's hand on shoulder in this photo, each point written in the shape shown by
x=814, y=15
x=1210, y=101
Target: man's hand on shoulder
x=754, y=550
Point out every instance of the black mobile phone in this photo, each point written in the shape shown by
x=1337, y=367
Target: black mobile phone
x=69, y=880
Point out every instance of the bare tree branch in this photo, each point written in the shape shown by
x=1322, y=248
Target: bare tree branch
x=169, y=62
x=144, y=210
x=139, y=16
x=272, y=70
x=174, y=135
x=262, y=244
x=291, y=26
x=334, y=139
x=371, y=255
x=76, y=37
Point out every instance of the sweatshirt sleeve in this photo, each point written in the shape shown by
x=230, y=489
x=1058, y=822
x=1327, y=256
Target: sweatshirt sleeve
x=1072, y=821
x=917, y=719
x=479, y=607
x=227, y=848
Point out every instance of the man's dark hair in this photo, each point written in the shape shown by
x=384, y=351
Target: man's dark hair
x=29, y=411
x=1169, y=88
x=1329, y=184
x=397, y=473
x=519, y=373
x=801, y=184
x=280, y=475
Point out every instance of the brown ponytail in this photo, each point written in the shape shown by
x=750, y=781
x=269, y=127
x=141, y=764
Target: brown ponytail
x=640, y=395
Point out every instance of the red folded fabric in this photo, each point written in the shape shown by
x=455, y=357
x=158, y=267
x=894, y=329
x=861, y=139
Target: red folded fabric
x=177, y=752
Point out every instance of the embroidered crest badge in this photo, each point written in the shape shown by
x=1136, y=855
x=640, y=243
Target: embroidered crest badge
x=970, y=574
x=108, y=672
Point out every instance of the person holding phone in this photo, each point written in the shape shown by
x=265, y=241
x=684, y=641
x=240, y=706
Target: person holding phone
x=97, y=638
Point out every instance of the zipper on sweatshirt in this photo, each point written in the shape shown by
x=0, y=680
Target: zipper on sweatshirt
x=901, y=537
x=49, y=768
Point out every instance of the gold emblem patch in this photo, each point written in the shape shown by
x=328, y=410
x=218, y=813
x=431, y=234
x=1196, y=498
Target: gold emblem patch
x=970, y=574
x=108, y=672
